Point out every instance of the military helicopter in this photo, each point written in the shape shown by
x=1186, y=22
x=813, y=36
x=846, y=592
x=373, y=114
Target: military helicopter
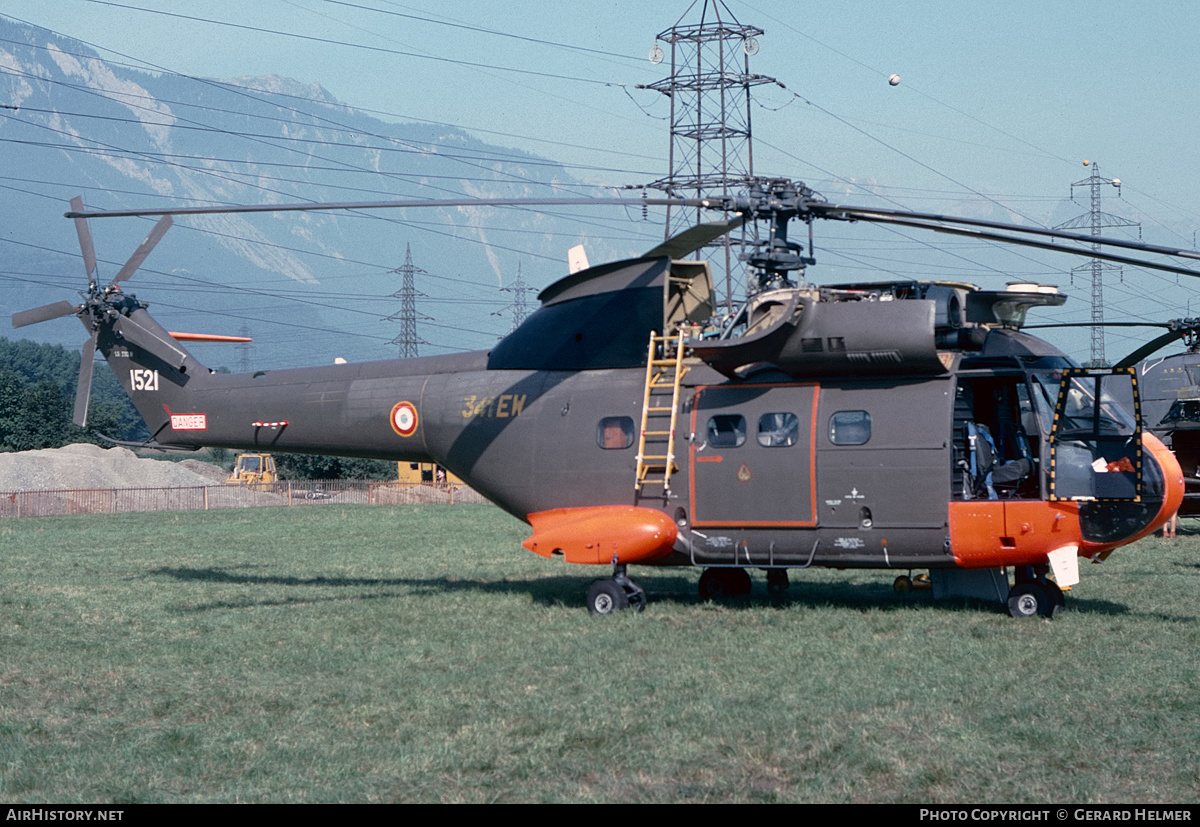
x=894, y=425
x=1171, y=400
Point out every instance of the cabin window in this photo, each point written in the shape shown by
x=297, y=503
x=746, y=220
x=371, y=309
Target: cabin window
x=614, y=432
x=850, y=428
x=726, y=431
x=778, y=430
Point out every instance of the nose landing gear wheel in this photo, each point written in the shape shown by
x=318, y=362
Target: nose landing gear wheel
x=605, y=597
x=1034, y=600
x=608, y=596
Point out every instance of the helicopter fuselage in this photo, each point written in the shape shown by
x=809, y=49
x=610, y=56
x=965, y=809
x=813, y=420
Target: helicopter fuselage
x=874, y=467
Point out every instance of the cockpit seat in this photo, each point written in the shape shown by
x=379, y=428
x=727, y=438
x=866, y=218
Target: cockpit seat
x=991, y=478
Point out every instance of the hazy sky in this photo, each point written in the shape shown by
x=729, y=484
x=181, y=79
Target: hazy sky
x=1003, y=97
x=999, y=103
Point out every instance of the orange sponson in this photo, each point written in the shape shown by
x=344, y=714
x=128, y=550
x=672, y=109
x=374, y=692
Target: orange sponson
x=595, y=534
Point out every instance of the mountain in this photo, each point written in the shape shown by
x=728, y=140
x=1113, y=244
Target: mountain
x=308, y=287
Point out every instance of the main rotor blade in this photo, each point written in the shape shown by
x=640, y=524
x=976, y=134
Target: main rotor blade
x=145, y=338
x=891, y=216
x=1041, y=245
x=1148, y=348
x=801, y=206
x=85, y=241
x=83, y=389
x=693, y=238
x=1096, y=324
x=143, y=250
x=42, y=314
x=79, y=213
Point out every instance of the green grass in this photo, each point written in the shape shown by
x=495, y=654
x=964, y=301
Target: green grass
x=419, y=654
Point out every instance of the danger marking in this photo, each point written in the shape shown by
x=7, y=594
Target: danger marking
x=189, y=422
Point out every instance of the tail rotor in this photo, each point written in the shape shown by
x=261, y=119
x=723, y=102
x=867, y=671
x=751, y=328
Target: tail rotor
x=102, y=304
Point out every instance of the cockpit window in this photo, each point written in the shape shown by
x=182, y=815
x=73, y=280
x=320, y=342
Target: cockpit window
x=1090, y=404
x=1095, y=443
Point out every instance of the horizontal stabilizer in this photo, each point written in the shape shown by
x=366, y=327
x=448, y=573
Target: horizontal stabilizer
x=206, y=337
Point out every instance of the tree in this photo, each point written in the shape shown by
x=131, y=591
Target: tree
x=316, y=467
x=32, y=416
x=39, y=419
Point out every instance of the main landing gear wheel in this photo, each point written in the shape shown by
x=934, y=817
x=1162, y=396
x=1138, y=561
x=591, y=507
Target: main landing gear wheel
x=902, y=584
x=608, y=596
x=717, y=583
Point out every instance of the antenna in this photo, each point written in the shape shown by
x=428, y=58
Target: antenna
x=1096, y=219
x=711, y=151
x=407, y=315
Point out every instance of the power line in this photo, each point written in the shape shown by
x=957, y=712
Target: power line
x=331, y=42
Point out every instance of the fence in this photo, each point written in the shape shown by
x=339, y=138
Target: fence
x=210, y=497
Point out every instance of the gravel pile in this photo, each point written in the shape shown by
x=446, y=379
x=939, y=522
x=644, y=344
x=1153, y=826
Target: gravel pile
x=90, y=466
x=212, y=473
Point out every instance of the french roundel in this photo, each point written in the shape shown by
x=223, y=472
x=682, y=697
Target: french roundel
x=404, y=418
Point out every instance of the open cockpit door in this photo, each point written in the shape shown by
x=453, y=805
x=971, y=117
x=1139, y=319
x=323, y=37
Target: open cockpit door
x=1096, y=437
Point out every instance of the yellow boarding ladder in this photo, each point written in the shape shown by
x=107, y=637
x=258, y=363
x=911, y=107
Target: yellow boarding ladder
x=660, y=408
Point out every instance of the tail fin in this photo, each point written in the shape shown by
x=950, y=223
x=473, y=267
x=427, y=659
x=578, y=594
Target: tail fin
x=159, y=374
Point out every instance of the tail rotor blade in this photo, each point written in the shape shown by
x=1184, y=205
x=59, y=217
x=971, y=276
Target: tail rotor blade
x=42, y=314
x=83, y=390
x=85, y=241
x=143, y=250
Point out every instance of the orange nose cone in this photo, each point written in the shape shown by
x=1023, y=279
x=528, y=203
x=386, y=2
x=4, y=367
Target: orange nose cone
x=597, y=534
x=1172, y=478
x=1107, y=526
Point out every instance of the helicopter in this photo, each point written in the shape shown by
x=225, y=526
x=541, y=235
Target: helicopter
x=1171, y=400
x=900, y=425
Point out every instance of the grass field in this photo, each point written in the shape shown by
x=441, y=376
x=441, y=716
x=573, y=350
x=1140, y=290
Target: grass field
x=419, y=654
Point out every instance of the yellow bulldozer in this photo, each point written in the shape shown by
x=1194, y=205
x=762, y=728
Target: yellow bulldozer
x=253, y=469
